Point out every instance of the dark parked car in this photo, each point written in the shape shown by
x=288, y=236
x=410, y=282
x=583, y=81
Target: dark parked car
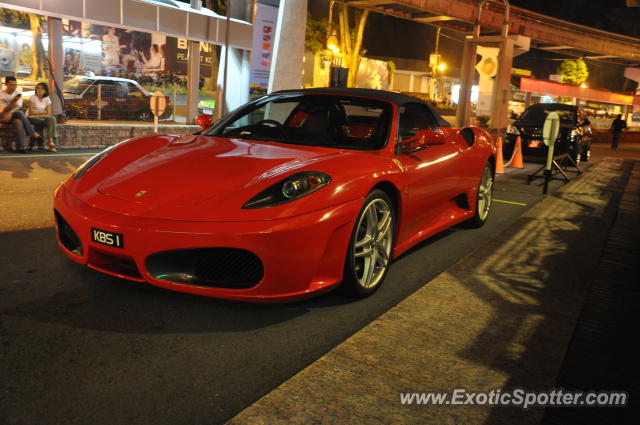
x=574, y=136
x=117, y=99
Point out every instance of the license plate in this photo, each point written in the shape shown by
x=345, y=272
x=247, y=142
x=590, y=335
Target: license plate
x=107, y=238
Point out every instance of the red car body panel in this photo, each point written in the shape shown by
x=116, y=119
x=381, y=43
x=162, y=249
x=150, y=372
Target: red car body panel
x=195, y=186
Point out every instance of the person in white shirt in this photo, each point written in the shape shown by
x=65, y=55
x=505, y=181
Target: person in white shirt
x=10, y=105
x=41, y=117
x=111, y=48
x=154, y=63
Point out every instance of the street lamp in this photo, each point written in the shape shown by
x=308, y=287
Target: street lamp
x=442, y=67
x=332, y=43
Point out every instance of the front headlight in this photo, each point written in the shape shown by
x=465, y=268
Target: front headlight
x=91, y=162
x=511, y=129
x=289, y=189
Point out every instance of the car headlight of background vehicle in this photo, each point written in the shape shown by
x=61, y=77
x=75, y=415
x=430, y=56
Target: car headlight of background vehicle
x=511, y=129
x=91, y=162
x=289, y=189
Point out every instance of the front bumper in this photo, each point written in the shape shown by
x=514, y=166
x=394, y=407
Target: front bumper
x=302, y=256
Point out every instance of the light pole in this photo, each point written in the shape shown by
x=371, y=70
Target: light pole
x=434, y=63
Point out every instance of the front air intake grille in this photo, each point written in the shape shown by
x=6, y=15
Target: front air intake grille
x=68, y=237
x=231, y=268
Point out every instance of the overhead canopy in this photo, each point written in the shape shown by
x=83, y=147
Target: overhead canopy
x=168, y=17
x=551, y=88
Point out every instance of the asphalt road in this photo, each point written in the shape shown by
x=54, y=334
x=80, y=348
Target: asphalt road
x=79, y=347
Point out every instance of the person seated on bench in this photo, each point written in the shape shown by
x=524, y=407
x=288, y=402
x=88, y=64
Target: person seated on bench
x=10, y=105
x=155, y=61
x=40, y=115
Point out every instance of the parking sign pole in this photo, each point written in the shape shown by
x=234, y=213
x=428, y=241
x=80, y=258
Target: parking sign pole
x=99, y=102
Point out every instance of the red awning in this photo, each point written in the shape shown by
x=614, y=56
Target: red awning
x=550, y=88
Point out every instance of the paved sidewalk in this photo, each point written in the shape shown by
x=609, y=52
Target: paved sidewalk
x=500, y=318
x=602, y=355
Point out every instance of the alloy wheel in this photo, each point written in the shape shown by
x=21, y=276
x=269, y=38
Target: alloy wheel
x=373, y=241
x=485, y=193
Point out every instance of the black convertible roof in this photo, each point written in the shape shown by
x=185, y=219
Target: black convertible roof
x=397, y=98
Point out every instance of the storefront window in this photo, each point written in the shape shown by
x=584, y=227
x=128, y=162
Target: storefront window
x=109, y=72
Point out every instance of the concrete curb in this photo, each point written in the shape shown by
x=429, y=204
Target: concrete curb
x=500, y=318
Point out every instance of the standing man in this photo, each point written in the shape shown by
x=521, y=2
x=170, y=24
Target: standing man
x=10, y=105
x=616, y=128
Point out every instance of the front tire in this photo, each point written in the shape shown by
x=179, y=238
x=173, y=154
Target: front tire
x=370, y=246
x=484, y=197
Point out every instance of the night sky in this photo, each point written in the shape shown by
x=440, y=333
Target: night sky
x=609, y=15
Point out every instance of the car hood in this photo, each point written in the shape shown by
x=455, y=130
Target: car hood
x=195, y=169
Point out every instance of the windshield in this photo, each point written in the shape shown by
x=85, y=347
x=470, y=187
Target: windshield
x=538, y=113
x=313, y=120
x=76, y=85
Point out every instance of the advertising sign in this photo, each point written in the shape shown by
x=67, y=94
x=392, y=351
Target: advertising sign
x=264, y=30
x=178, y=56
x=487, y=68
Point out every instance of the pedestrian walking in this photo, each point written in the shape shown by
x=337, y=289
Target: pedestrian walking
x=616, y=128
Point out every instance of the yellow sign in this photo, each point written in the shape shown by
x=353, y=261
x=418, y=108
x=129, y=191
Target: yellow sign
x=523, y=72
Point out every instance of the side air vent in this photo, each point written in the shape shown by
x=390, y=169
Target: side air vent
x=467, y=134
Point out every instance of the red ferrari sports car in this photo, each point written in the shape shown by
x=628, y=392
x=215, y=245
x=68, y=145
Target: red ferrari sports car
x=287, y=197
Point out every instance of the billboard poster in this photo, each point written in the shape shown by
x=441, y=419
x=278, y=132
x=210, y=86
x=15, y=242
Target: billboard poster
x=372, y=74
x=264, y=30
x=15, y=43
x=111, y=51
x=178, y=56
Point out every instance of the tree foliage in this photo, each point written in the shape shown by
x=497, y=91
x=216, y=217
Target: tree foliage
x=573, y=71
x=315, y=38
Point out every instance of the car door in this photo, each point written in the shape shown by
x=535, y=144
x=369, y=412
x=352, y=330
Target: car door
x=430, y=184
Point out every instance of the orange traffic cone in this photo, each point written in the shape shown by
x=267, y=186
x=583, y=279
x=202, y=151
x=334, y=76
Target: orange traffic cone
x=499, y=159
x=516, y=158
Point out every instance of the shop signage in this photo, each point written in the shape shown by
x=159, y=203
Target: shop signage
x=264, y=31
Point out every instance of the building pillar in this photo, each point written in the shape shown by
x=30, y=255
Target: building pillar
x=502, y=86
x=288, y=48
x=56, y=57
x=463, y=113
x=527, y=100
x=193, y=81
x=238, y=75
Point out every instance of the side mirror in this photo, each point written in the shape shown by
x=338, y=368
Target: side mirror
x=422, y=140
x=204, y=121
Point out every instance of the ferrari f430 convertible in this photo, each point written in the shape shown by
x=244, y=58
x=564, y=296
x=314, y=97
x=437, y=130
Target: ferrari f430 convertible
x=287, y=197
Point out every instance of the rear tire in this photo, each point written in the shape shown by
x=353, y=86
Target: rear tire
x=484, y=198
x=370, y=246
